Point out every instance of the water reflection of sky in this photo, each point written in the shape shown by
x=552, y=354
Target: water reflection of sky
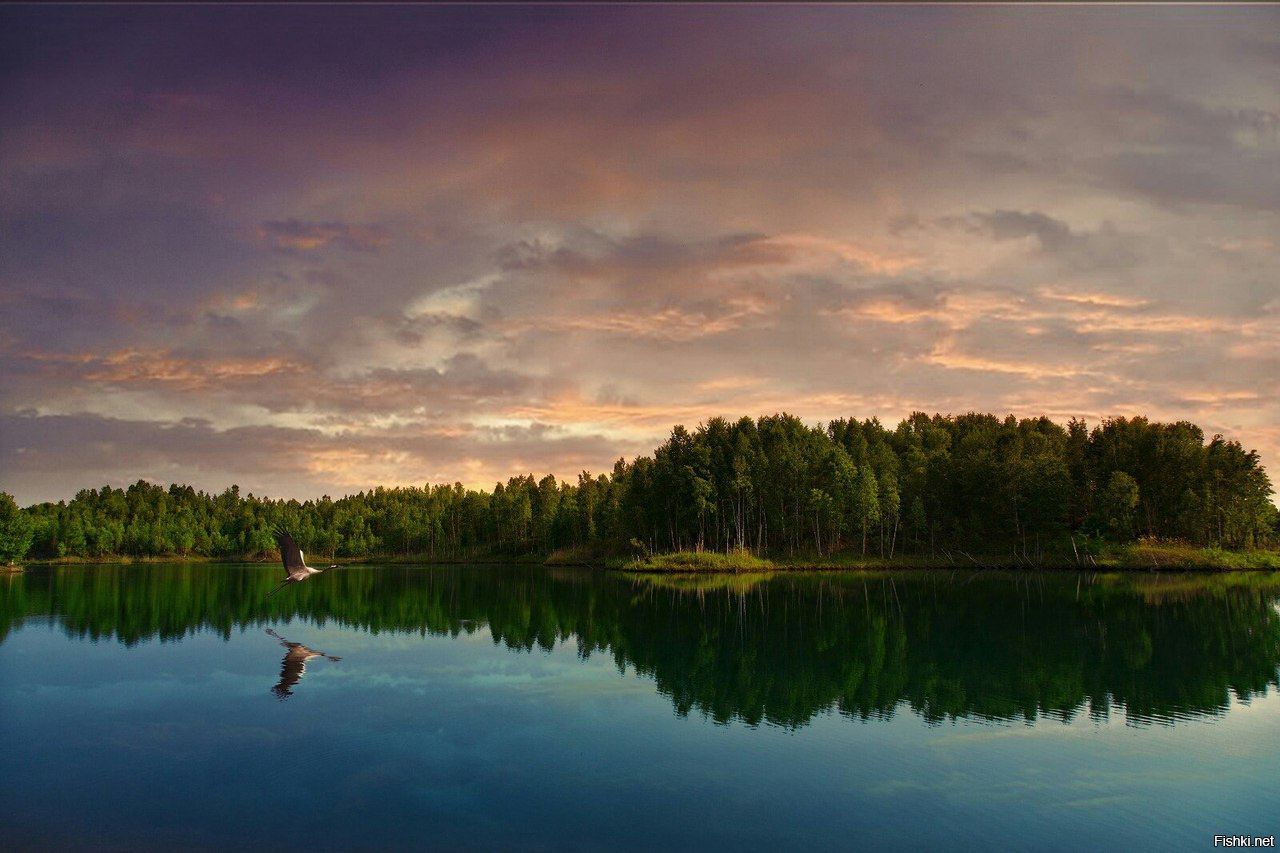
x=414, y=741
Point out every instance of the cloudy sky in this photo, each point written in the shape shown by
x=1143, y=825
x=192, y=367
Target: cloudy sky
x=315, y=249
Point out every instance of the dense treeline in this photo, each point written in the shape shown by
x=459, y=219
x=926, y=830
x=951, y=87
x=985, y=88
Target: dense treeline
x=782, y=648
x=772, y=485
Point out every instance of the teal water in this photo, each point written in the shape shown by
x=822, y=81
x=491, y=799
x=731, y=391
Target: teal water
x=149, y=707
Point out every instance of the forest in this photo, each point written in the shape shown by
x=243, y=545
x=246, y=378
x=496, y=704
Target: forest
x=770, y=486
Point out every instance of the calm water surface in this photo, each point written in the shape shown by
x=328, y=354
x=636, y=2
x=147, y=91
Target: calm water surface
x=395, y=708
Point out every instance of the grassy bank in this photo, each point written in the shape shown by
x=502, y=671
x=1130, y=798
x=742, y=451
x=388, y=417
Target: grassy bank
x=1140, y=556
x=1146, y=555
x=695, y=561
x=1162, y=556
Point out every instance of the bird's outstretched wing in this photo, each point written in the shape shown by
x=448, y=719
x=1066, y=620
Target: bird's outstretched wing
x=290, y=553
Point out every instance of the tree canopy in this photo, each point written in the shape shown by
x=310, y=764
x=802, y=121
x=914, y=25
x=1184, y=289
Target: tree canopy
x=773, y=485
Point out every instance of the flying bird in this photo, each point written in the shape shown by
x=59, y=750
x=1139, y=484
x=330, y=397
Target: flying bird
x=295, y=567
x=294, y=665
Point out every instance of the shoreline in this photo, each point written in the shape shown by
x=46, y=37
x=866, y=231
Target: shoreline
x=1139, y=558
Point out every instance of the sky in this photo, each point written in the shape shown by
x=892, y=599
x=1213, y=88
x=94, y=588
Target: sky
x=315, y=249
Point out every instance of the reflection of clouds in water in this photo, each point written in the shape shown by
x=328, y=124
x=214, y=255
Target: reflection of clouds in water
x=1069, y=784
x=189, y=736
x=476, y=666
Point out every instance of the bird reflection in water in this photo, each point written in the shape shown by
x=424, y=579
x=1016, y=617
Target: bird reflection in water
x=294, y=665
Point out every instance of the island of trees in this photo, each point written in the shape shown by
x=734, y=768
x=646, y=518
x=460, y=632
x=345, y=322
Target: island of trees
x=929, y=489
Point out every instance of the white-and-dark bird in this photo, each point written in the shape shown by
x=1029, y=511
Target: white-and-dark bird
x=295, y=567
x=294, y=665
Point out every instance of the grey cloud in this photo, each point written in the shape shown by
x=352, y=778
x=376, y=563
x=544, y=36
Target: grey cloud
x=1104, y=248
x=1050, y=346
x=1053, y=234
x=648, y=285
x=1156, y=117
x=464, y=381
x=413, y=331
x=1249, y=180
x=52, y=457
x=294, y=235
x=915, y=296
x=589, y=252
x=1214, y=148
x=1266, y=50
x=173, y=252
x=462, y=387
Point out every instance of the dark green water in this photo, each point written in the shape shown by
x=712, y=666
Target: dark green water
x=177, y=707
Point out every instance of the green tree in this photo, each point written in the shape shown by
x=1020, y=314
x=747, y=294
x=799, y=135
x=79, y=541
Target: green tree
x=772, y=483
x=867, y=502
x=1119, y=504
x=16, y=530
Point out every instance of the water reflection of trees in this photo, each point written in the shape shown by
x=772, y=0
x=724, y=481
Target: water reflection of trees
x=761, y=649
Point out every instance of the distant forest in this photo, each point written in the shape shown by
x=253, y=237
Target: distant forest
x=773, y=486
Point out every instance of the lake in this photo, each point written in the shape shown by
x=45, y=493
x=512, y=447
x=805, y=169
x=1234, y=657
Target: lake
x=394, y=707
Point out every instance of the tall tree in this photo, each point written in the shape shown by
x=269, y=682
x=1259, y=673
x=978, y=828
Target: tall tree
x=16, y=530
x=1118, y=504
